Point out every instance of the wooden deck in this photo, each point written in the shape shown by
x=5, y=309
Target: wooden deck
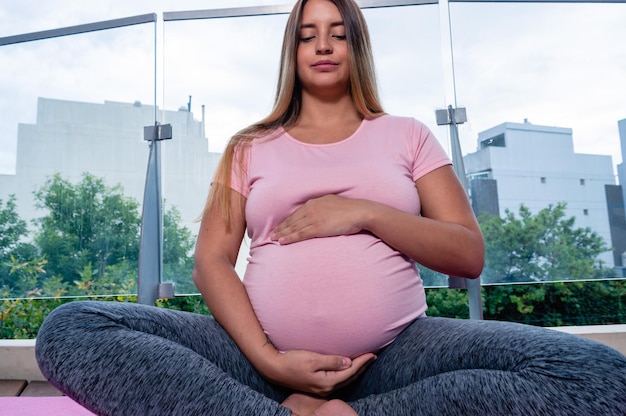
x=24, y=388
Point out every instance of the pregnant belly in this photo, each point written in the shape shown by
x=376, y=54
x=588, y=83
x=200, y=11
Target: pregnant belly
x=342, y=295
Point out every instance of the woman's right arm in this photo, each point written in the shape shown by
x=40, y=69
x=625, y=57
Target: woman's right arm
x=214, y=275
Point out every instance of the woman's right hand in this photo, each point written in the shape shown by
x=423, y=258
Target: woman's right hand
x=315, y=373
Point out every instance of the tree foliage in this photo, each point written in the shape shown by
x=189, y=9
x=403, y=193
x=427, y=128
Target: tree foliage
x=13, y=249
x=594, y=302
x=542, y=247
x=86, y=243
x=178, y=244
x=87, y=225
x=12, y=227
x=431, y=278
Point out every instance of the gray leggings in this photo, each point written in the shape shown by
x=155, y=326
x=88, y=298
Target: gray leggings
x=128, y=359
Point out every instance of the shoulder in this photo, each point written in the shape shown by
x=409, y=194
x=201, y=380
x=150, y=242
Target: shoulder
x=409, y=130
x=267, y=137
x=245, y=143
x=420, y=143
x=399, y=123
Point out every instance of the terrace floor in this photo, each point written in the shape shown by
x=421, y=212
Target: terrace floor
x=25, y=388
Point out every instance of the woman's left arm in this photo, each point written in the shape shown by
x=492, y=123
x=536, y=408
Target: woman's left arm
x=445, y=238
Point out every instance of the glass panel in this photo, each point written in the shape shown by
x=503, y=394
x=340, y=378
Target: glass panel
x=409, y=65
x=27, y=16
x=221, y=75
x=73, y=161
x=543, y=86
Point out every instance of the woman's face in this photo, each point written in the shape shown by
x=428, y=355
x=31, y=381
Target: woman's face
x=322, y=58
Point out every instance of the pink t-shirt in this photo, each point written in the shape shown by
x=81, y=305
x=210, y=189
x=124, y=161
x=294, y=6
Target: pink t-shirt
x=342, y=295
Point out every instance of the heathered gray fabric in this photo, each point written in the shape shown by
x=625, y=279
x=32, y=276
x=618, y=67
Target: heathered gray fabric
x=121, y=359
x=129, y=359
x=441, y=366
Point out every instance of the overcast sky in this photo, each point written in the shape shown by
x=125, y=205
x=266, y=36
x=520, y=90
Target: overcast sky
x=554, y=64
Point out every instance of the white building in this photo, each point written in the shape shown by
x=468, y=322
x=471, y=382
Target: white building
x=621, y=168
x=536, y=166
x=106, y=140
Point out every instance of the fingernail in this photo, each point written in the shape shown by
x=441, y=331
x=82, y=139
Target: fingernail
x=346, y=362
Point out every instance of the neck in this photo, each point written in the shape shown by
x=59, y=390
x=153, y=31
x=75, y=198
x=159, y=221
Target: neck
x=325, y=110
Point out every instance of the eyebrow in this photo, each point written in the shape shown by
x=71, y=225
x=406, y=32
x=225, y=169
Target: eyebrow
x=313, y=25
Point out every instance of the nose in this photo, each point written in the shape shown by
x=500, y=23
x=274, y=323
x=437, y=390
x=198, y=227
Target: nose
x=323, y=46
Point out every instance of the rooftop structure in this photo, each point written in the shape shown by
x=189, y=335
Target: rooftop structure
x=536, y=166
x=106, y=140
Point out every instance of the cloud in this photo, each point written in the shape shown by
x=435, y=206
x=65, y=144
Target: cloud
x=555, y=64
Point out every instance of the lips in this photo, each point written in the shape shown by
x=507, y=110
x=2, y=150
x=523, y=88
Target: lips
x=324, y=65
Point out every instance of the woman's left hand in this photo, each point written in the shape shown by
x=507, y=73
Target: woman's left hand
x=326, y=216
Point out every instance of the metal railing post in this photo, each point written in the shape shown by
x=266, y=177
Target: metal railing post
x=453, y=117
x=149, y=286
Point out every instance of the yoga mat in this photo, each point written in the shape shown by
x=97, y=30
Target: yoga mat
x=41, y=406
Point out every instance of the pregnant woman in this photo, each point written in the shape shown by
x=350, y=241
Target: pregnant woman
x=340, y=201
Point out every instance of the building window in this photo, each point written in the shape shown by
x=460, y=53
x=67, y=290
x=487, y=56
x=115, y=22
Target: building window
x=582, y=182
x=543, y=179
x=497, y=141
x=585, y=211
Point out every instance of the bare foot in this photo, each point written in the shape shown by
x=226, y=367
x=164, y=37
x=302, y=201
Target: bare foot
x=335, y=408
x=302, y=404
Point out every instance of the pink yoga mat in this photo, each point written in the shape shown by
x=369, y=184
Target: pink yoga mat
x=38, y=406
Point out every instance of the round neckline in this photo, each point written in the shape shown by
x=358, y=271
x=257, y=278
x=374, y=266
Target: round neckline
x=354, y=133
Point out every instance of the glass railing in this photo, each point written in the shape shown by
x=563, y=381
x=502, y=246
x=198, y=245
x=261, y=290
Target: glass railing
x=73, y=155
x=225, y=95
x=218, y=96
x=74, y=104
x=543, y=98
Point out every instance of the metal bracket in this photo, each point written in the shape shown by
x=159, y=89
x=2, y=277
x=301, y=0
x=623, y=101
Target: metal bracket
x=157, y=132
x=166, y=290
x=448, y=115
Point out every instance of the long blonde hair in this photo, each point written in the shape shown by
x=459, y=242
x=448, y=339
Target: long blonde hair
x=288, y=100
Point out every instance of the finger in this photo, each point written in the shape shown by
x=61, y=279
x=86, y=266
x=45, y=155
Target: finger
x=362, y=362
x=288, y=225
x=359, y=365
x=364, y=359
x=295, y=233
x=332, y=363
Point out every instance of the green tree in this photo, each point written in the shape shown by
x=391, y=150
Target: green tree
x=87, y=225
x=178, y=245
x=13, y=249
x=541, y=247
x=27, y=277
x=432, y=278
x=90, y=239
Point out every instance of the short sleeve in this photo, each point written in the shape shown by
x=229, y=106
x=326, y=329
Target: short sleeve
x=426, y=151
x=239, y=170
